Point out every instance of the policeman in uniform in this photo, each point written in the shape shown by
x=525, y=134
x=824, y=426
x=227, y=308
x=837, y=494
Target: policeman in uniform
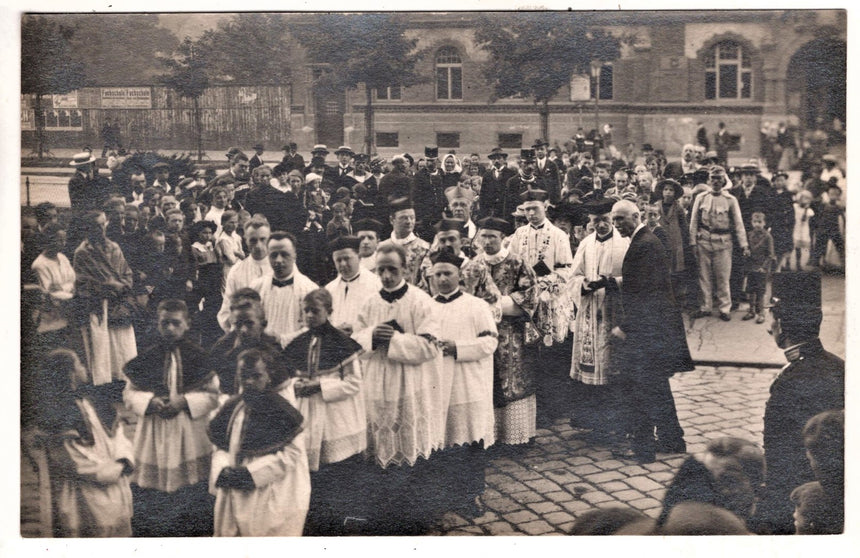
x=812, y=382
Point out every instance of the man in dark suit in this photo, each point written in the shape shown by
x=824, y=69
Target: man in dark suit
x=339, y=175
x=546, y=172
x=493, y=184
x=651, y=339
x=811, y=383
x=257, y=159
x=702, y=136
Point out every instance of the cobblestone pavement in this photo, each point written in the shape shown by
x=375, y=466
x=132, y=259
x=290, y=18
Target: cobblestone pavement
x=562, y=477
x=544, y=490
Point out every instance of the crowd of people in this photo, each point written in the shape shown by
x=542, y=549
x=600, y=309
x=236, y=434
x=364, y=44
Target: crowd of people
x=337, y=349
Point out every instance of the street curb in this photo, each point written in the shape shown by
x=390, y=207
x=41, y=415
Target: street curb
x=737, y=364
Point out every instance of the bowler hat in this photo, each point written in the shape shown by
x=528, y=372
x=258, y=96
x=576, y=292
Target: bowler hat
x=497, y=153
x=540, y=143
x=258, y=147
x=647, y=147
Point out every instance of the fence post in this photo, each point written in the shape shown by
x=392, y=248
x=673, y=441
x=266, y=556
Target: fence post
x=27, y=184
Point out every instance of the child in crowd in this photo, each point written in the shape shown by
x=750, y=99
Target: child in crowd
x=260, y=472
x=220, y=199
x=207, y=287
x=653, y=213
x=88, y=466
x=228, y=244
x=339, y=224
x=802, y=234
x=759, y=265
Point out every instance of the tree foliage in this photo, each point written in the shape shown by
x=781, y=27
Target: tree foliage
x=119, y=49
x=188, y=68
x=534, y=55
x=252, y=48
x=369, y=49
x=47, y=62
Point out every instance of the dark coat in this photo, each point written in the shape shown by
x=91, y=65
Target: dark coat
x=88, y=193
x=656, y=341
x=812, y=384
x=428, y=194
x=492, y=191
x=394, y=185
x=549, y=180
x=283, y=209
x=254, y=162
x=782, y=222
x=759, y=200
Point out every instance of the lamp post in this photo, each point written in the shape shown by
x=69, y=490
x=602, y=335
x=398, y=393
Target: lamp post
x=596, y=65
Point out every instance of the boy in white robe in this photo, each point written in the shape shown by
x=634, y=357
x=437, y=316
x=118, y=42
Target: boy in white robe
x=323, y=361
x=353, y=284
x=260, y=474
x=283, y=290
x=172, y=390
x=403, y=392
x=87, y=493
x=469, y=340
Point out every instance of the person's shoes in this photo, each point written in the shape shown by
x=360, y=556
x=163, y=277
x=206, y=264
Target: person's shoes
x=725, y=317
x=748, y=316
x=699, y=314
x=632, y=455
x=735, y=305
x=759, y=319
x=677, y=447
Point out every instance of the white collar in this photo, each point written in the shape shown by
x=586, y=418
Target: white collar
x=496, y=258
x=402, y=241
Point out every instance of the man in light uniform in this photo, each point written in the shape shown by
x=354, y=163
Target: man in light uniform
x=715, y=216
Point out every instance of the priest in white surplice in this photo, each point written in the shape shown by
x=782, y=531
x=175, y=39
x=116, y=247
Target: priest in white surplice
x=595, y=289
x=468, y=341
x=403, y=395
x=354, y=284
x=283, y=290
x=248, y=270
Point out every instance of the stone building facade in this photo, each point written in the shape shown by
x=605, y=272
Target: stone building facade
x=743, y=68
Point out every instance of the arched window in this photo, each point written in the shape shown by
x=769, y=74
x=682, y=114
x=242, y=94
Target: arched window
x=449, y=74
x=728, y=72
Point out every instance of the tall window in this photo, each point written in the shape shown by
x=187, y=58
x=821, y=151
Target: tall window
x=449, y=74
x=604, y=80
x=728, y=72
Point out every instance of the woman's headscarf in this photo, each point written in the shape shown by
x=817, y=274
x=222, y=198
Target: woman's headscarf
x=457, y=168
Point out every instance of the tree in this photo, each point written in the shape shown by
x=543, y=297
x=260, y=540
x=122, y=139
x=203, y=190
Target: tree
x=47, y=66
x=252, y=48
x=533, y=55
x=119, y=49
x=190, y=78
x=369, y=49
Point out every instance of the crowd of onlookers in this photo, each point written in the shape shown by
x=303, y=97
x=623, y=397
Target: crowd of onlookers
x=143, y=271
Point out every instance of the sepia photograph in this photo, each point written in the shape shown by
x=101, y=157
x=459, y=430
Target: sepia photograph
x=429, y=273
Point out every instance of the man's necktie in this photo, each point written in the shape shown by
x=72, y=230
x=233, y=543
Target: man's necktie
x=282, y=282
